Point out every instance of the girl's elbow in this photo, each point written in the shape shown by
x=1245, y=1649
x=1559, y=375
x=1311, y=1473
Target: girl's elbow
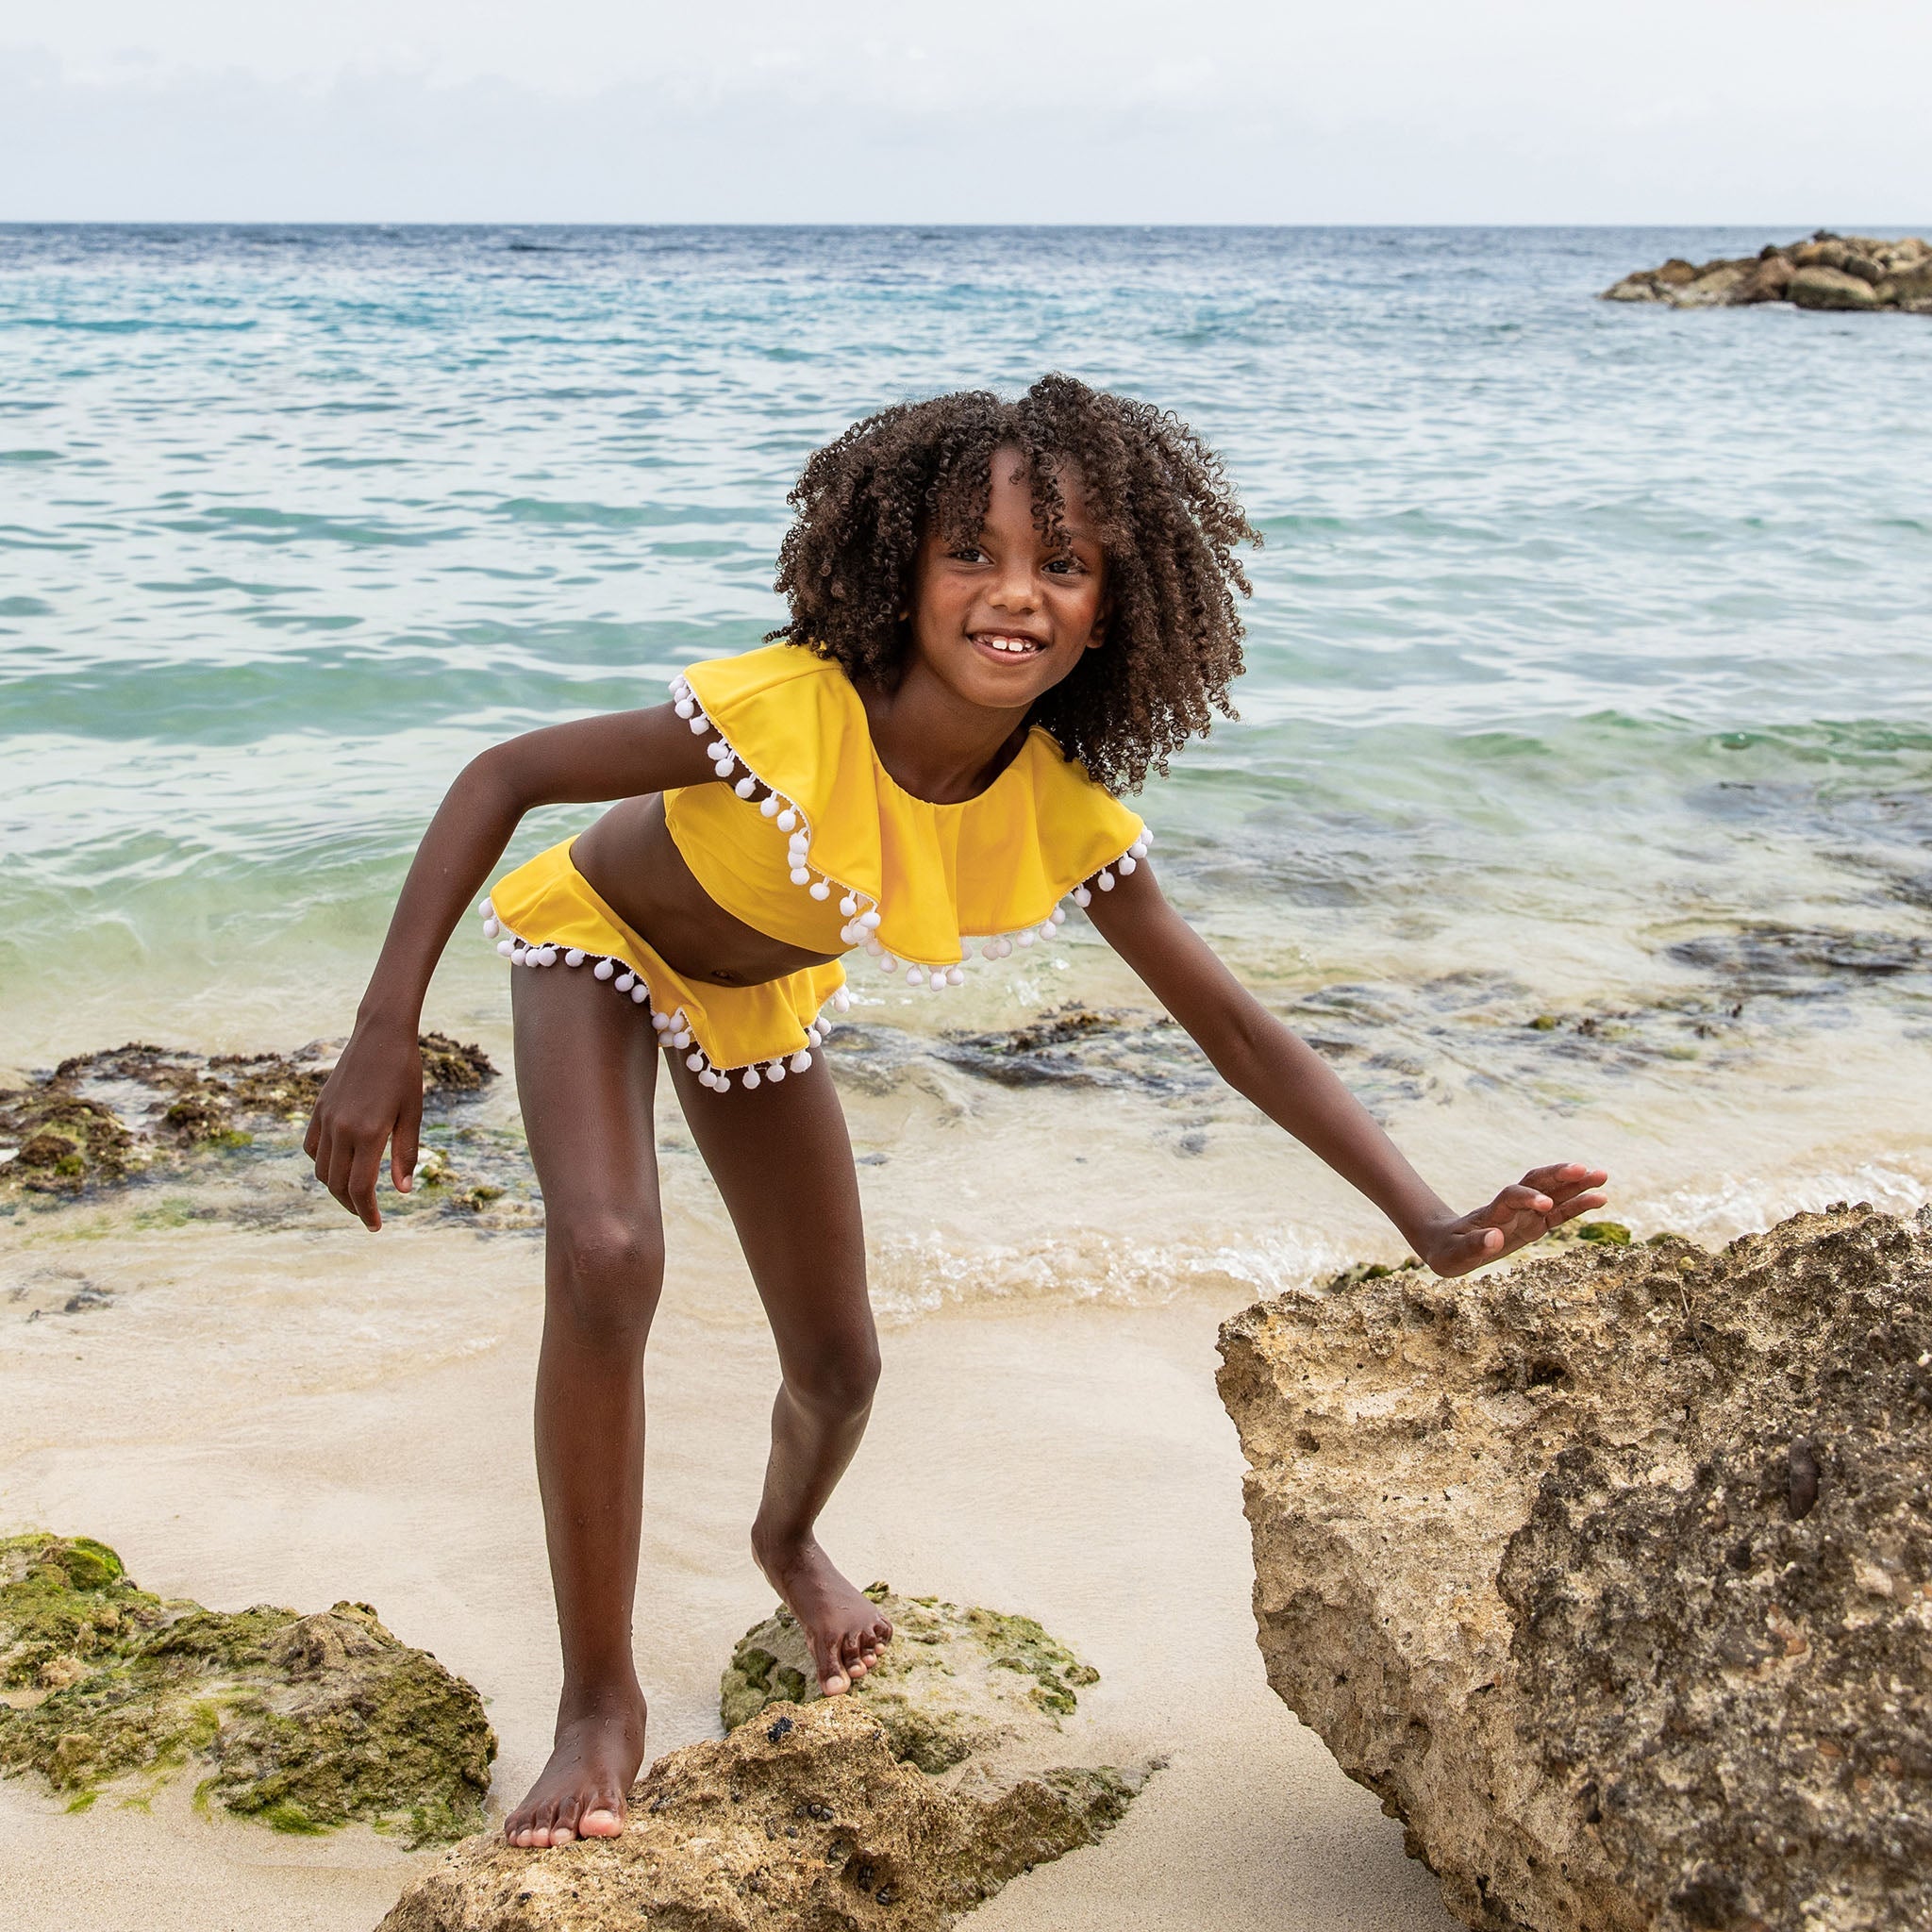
x=495, y=781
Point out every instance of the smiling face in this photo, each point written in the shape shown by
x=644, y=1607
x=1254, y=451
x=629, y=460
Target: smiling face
x=1003, y=617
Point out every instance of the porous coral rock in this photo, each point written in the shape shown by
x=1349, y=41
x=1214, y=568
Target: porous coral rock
x=804, y=1821
x=1611, y=1574
x=951, y=1683
x=304, y=1723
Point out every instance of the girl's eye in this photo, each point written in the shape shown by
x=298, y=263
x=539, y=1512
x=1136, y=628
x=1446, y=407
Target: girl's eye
x=1066, y=566
x=969, y=553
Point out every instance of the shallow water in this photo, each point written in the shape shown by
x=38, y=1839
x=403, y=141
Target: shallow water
x=1581, y=795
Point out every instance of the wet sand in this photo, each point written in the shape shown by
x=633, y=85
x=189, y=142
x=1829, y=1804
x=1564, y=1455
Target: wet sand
x=268, y=1404
x=296, y=1418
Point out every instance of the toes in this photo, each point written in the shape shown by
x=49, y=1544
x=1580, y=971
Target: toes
x=600, y=1821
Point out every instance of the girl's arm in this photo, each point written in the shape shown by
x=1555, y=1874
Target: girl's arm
x=373, y=1098
x=1288, y=1081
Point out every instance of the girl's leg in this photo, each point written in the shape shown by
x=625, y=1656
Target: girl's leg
x=585, y=1076
x=783, y=1162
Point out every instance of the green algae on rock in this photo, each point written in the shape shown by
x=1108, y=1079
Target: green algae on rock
x=101, y=1119
x=302, y=1723
x=811, y=1819
x=953, y=1680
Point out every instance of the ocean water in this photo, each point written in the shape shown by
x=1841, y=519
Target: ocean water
x=1583, y=781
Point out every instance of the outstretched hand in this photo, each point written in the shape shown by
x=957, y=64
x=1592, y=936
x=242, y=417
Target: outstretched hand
x=1546, y=1197
x=372, y=1100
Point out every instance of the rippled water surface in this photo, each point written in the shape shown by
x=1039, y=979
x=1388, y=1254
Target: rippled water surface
x=1590, y=656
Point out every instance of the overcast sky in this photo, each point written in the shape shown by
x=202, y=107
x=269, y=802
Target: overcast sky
x=1786, y=112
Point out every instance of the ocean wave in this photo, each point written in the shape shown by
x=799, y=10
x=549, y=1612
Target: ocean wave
x=922, y=1275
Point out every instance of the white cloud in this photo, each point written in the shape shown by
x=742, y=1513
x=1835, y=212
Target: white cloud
x=1779, y=110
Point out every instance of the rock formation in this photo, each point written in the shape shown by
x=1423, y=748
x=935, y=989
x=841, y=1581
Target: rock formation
x=101, y=1118
x=303, y=1722
x=1611, y=1575
x=951, y=1684
x=1827, y=272
x=903, y=1804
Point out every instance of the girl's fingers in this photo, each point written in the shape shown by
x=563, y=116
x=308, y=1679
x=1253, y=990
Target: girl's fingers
x=1565, y=1179
x=336, y=1179
x=402, y=1154
x=1583, y=1204
x=363, y=1171
x=1518, y=1200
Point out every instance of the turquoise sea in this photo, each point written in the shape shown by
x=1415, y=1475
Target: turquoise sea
x=1585, y=752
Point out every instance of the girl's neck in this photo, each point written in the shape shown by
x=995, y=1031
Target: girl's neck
x=936, y=744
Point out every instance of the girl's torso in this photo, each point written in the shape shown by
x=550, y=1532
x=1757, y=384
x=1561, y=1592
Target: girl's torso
x=633, y=864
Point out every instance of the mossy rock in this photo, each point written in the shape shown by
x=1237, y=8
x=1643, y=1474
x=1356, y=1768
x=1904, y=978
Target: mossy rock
x=102, y=1119
x=1609, y=1234
x=302, y=1723
x=805, y=1822
x=1367, y=1271
x=954, y=1681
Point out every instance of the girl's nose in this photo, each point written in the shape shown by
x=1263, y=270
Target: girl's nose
x=1014, y=589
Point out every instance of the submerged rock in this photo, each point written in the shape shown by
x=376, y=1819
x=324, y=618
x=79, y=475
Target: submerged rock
x=1611, y=1574
x=218, y=1138
x=953, y=1682
x=1827, y=272
x=101, y=1119
x=302, y=1723
x=902, y=1805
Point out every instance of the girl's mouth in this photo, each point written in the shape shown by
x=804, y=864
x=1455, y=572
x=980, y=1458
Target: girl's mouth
x=1008, y=643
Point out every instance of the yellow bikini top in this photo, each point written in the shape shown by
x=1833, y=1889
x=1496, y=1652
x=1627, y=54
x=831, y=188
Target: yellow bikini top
x=813, y=842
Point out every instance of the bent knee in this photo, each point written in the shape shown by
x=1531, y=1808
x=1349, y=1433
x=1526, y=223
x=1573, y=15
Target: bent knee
x=606, y=1272
x=839, y=1378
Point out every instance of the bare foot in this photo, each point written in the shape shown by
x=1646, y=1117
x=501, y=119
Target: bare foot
x=580, y=1793
x=843, y=1625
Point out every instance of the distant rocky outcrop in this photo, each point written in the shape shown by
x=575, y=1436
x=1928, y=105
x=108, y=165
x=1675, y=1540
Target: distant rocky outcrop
x=1827, y=272
x=1611, y=1574
x=901, y=1806
x=301, y=1722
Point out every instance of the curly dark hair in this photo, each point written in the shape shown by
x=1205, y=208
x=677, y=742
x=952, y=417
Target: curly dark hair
x=1163, y=510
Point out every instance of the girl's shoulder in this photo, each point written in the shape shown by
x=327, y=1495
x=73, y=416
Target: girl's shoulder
x=725, y=681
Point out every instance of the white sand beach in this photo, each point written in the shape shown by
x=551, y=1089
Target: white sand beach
x=1073, y=1463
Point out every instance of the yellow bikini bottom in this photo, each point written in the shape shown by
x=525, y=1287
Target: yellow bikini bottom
x=545, y=915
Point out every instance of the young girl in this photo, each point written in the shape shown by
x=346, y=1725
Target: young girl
x=1002, y=615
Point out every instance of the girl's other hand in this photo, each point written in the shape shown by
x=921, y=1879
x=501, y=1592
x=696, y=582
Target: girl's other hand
x=373, y=1100
x=1546, y=1197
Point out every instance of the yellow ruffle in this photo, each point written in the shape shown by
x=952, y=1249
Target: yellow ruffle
x=996, y=864
x=546, y=914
